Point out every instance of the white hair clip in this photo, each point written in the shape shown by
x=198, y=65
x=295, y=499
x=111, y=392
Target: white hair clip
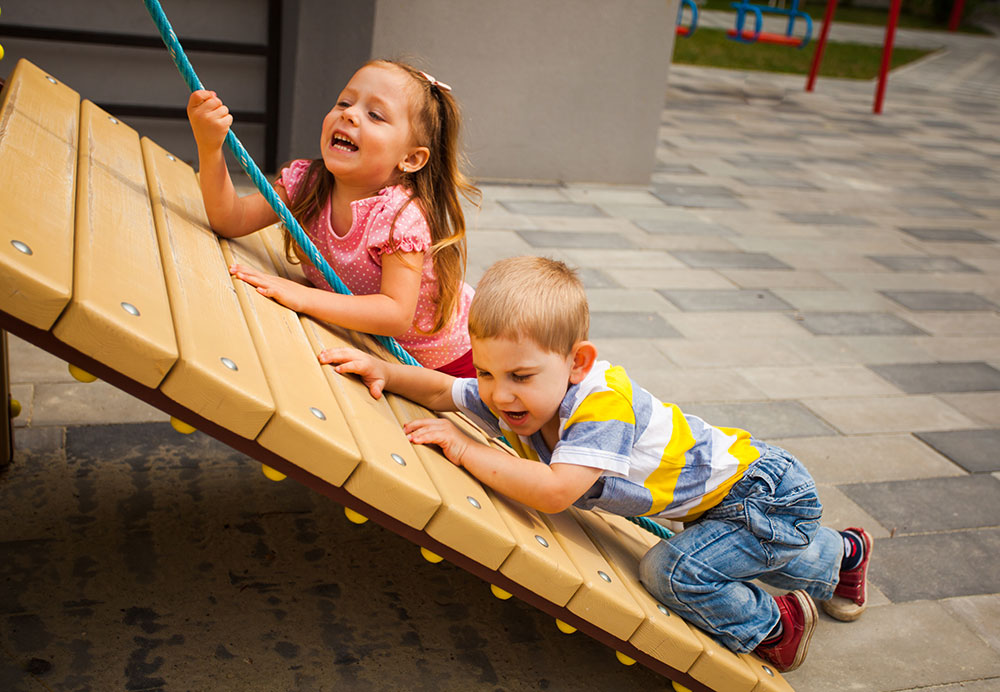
x=434, y=82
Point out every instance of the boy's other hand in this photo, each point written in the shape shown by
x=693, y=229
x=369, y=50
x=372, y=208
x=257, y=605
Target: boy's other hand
x=210, y=119
x=443, y=433
x=371, y=369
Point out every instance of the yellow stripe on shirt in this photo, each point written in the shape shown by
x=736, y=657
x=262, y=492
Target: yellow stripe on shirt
x=745, y=454
x=662, y=482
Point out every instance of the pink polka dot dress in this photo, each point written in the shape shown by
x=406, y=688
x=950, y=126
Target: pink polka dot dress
x=356, y=257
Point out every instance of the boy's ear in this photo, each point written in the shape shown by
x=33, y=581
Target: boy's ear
x=415, y=160
x=584, y=354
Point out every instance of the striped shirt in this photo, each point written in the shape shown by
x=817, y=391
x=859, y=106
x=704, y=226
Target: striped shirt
x=656, y=461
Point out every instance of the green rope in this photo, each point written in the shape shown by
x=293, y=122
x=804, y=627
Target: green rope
x=651, y=526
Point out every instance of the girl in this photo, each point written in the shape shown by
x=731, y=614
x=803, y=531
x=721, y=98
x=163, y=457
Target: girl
x=381, y=204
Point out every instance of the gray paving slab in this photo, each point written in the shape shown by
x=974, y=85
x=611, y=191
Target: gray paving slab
x=927, y=505
x=766, y=421
x=925, y=378
x=729, y=260
x=947, y=235
x=531, y=208
x=825, y=218
x=855, y=324
x=937, y=566
x=973, y=450
x=701, y=301
x=644, y=325
x=688, y=226
x=575, y=240
x=940, y=300
x=923, y=264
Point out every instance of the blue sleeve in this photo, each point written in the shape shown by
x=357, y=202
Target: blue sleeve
x=465, y=395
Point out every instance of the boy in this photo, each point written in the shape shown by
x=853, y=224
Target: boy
x=750, y=509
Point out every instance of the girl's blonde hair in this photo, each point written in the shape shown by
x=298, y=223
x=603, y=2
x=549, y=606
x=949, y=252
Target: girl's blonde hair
x=436, y=187
x=530, y=297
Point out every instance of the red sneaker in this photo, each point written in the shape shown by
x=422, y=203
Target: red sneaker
x=798, y=620
x=850, y=596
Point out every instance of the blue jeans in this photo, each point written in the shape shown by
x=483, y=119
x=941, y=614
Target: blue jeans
x=766, y=528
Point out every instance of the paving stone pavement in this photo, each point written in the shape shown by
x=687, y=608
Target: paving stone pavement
x=825, y=277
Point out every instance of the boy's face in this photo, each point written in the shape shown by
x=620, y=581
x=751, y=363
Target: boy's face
x=524, y=383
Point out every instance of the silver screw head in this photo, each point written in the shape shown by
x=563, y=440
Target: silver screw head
x=130, y=309
x=229, y=363
x=21, y=246
x=398, y=459
x=544, y=543
x=316, y=412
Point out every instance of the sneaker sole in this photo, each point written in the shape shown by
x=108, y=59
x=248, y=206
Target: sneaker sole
x=844, y=609
x=809, y=616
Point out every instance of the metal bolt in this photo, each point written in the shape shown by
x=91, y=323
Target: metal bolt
x=768, y=671
x=229, y=363
x=316, y=412
x=398, y=459
x=604, y=576
x=663, y=609
x=51, y=80
x=545, y=543
x=21, y=247
x=474, y=502
x=171, y=157
x=130, y=309
x=113, y=120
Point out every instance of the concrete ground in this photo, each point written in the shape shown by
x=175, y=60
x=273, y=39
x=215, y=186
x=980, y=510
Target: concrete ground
x=824, y=277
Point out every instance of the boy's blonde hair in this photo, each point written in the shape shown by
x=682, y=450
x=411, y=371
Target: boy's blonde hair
x=531, y=297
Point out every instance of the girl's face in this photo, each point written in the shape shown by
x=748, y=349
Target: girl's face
x=368, y=139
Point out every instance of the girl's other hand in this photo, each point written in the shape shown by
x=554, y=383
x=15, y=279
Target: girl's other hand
x=371, y=369
x=210, y=119
x=443, y=433
x=289, y=293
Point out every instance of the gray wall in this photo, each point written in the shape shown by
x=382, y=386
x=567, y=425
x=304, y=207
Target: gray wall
x=552, y=90
x=568, y=90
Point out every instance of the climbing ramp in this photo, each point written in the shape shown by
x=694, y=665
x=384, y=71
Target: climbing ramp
x=107, y=261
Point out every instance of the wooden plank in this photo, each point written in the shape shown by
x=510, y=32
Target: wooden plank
x=390, y=476
x=721, y=669
x=467, y=521
x=218, y=373
x=308, y=427
x=602, y=598
x=538, y=561
x=662, y=634
x=39, y=125
x=119, y=314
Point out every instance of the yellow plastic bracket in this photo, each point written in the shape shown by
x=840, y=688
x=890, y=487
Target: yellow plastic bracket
x=430, y=557
x=15, y=408
x=272, y=474
x=625, y=660
x=354, y=517
x=181, y=427
x=565, y=627
x=81, y=374
x=500, y=593
x=679, y=687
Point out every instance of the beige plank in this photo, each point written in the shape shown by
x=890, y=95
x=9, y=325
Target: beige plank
x=602, y=598
x=390, y=476
x=721, y=669
x=218, y=374
x=662, y=635
x=119, y=313
x=768, y=677
x=39, y=124
x=467, y=520
x=308, y=427
x=538, y=562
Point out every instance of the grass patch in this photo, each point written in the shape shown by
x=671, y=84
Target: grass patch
x=856, y=15
x=711, y=48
